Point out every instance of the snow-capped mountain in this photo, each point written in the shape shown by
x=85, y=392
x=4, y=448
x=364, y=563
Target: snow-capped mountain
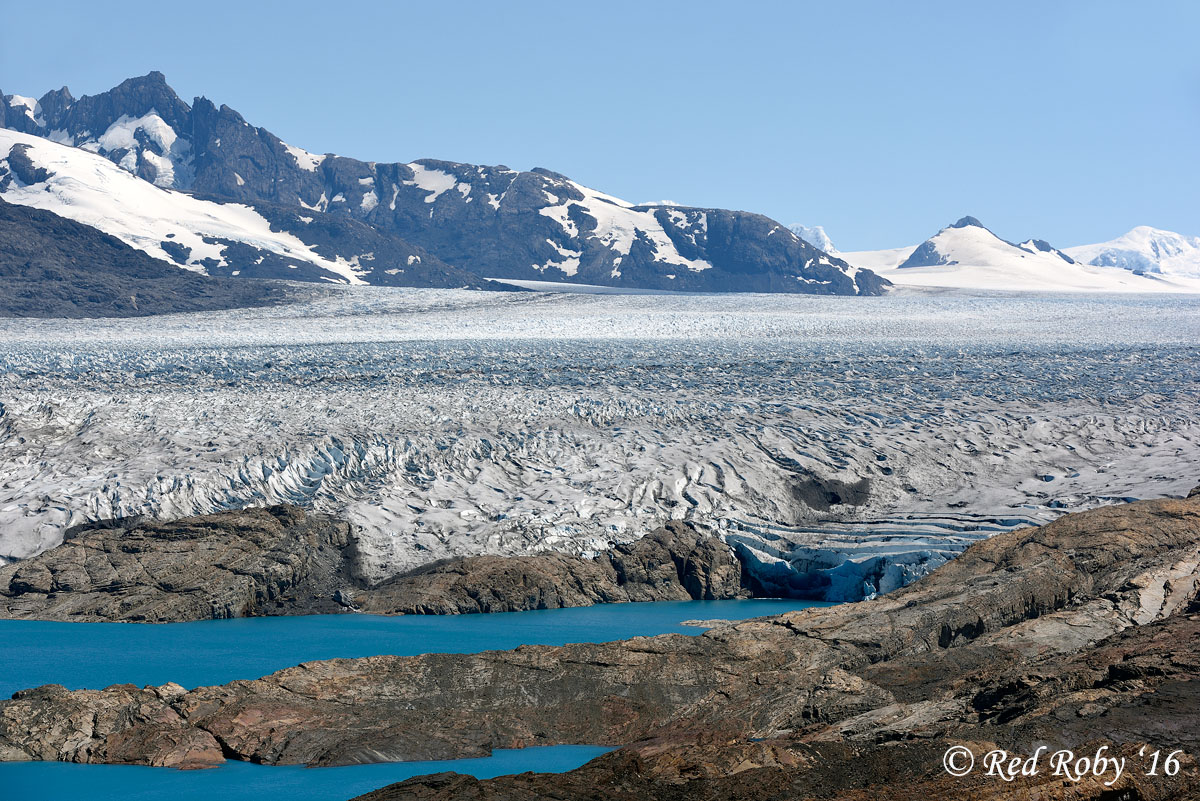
x=969, y=256
x=203, y=235
x=488, y=221
x=1146, y=250
x=969, y=242
x=814, y=235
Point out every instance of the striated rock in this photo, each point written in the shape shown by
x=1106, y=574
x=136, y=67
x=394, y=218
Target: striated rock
x=674, y=563
x=1054, y=635
x=233, y=564
x=282, y=560
x=899, y=755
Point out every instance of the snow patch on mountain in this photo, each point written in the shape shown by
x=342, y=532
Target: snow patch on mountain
x=434, y=182
x=619, y=224
x=304, y=160
x=147, y=139
x=122, y=133
x=31, y=108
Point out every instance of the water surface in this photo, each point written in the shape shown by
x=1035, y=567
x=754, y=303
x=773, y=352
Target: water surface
x=241, y=781
x=96, y=655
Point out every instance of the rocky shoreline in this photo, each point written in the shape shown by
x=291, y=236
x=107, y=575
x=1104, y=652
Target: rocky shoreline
x=1081, y=633
x=282, y=560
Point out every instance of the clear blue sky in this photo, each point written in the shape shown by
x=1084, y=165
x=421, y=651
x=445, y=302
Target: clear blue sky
x=882, y=121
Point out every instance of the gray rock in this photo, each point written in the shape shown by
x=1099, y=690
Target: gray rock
x=233, y=564
x=282, y=560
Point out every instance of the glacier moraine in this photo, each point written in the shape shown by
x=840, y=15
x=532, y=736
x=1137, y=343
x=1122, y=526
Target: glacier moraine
x=841, y=445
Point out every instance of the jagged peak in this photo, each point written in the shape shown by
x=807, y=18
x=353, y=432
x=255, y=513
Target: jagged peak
x=152, y=78
x=968, y=222
x=153, y=85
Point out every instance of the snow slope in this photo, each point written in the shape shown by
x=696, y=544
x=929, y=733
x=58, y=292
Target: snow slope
x=967, y=255
x=90, y=189
x=1146, y=249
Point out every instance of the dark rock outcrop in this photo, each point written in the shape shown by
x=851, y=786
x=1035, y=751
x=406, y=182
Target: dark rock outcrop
x=232, y=564
x=674, y=563
x=54, y=267
x=1054, y=635
x=282, y=560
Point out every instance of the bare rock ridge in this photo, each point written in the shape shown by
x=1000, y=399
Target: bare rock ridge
x=282, y=560
x=1082, y=629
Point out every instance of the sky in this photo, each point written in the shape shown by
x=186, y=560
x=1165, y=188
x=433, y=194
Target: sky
x=881, y=121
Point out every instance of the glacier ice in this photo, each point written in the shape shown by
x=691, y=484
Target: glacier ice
x=842, y=446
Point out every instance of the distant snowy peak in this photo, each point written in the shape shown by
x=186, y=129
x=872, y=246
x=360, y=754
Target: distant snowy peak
x=1042, y=246
x=1146, y=250
x=814, y=235
x=968, y=241
x=966, y=255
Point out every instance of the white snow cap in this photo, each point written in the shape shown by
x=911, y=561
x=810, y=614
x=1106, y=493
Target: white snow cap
x=1145, y=249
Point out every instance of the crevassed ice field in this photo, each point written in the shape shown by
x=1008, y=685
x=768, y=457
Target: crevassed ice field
x=869, y=438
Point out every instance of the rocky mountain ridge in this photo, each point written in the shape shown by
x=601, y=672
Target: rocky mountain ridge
x=492, y=222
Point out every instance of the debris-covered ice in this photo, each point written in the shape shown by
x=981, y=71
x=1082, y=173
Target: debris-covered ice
x=842, y=446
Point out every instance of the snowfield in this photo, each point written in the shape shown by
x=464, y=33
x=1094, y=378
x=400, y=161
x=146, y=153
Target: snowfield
x=843, y=446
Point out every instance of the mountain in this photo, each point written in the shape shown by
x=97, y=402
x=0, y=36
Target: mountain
x=340, y=219
x=1146, y=250
x=815, y=236
x=206, y=235
x=55, y=267
x=969, y=242
x=967, y=255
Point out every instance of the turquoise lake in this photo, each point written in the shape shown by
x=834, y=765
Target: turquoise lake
x=241, y=781
x=95, y=655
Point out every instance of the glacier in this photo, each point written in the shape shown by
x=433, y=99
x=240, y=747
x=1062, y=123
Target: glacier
x=841, y=446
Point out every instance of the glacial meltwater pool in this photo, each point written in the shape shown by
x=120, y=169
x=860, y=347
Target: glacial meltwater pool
x=95, y=655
